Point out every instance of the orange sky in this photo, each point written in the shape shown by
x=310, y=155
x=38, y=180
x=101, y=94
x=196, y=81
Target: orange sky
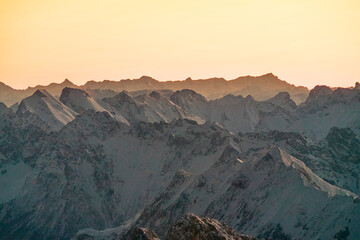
x=305, y=42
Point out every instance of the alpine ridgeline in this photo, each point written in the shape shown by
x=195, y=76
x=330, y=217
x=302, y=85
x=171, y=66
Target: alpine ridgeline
x=261, y=87
x=154, y=163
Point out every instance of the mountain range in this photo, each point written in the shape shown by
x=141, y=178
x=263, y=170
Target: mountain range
x=323, y=109
x=93, y=163
x=260, y=87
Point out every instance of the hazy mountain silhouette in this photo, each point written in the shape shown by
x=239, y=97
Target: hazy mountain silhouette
x=260, y=87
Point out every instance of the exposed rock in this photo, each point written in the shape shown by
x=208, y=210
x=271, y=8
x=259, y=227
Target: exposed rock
x=136, y=233
x=191, y=227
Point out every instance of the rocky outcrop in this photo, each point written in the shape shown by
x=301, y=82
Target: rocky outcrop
x=343, y=143
x=192, y=227
x=188, y=227
x=137, y=233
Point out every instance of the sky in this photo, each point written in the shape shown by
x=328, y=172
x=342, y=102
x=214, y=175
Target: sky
x=305, y=42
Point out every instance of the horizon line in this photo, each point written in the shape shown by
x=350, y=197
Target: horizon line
x=178, y=80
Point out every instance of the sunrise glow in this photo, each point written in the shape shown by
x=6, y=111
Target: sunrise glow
x=303, y=42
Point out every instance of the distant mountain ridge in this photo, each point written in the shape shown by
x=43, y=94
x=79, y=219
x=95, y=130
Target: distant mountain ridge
x=323, y=109
x=260, y=87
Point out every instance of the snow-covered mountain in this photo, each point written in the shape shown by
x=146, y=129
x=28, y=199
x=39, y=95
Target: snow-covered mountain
x=270, y=194
x=151, y=107
x=48, y=108
x=99, y=173
x=325, y=108
x=80, y=101
x=194, y=105
x=106, y=165
x=11, y=96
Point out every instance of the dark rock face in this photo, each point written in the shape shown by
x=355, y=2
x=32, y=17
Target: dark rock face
x=343, y=143
x=357, y=85
x=136, y=233
x=191, y=227
x=40, y=93
x=283, y=99
x=3, y=109
x=277, y=233
x=156, y=95
x=342, y=234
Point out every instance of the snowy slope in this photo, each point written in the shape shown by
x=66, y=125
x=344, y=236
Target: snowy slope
x=48, y=108
x=80, y=101
x=237, y=114
x=283, y=100
x=325, y=108
x=271, y=194
x=149, y=107
x=108, y=175
x=194, y=105
x=155, y=165
x=162, y=108
x=127, y=106
x=104, y=173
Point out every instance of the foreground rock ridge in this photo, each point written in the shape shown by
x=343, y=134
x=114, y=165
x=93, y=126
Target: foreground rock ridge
x=163, y=164
x=188, y=227
x=193, y=227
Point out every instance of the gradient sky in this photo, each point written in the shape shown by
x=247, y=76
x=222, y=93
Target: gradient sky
x=305, y=42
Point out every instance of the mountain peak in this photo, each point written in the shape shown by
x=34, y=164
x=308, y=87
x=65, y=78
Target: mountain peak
x=48, y=108
x=41, y=93
x=67, y=91
x=321, y=90
x=250, y=98
x=79, y=100
x=357, y=85
x=66, y=82
x=187, y=93
x=146, y=79
x=124, y=97
x=3, y=108
x=4, y=86
x=319, y=93
x=269, y=75
x=156, y=95
x=282, y=96
x=283, y=100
